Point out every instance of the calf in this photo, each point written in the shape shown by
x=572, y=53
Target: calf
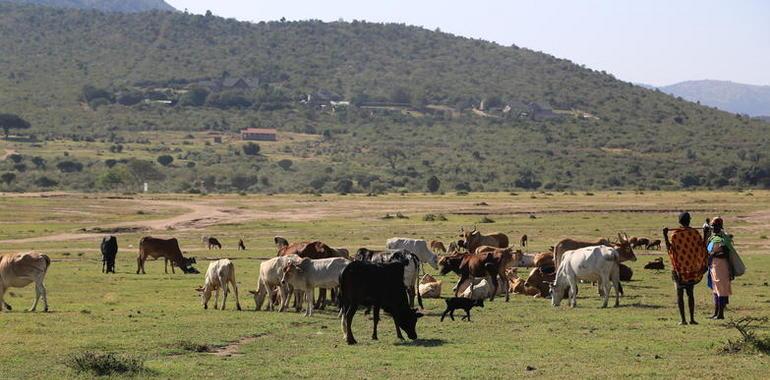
x=109, y=249
x=241, y=246
x=483, y=264
x=654, y=244
x=656, y=264
x=437, y=247
x=219, y=275
x=310, y=274
x=18, y=270
x=270, y=273
x=380, y=286
x=214, y=243
x=168, y=249
x=524, y=241
x=466, y=304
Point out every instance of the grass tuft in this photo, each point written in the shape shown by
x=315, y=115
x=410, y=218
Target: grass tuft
x=105, y=364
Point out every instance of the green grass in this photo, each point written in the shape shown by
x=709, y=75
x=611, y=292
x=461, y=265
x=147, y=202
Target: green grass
x=159, y=318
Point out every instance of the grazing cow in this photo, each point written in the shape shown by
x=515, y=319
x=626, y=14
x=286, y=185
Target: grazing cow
x=437, y=247
x=214, y=243
x=241, y=246
x=640, y=242
x=524, y=241
x=418, y=247
x=168, y=249
x=308, y=274
x=109, y=252
x=411, y=268
x=656, y=264
x=571, y=244
x=455, y=303
x=654, y=244
x=429, y=287
x=381, y=286
x=219, y=275
x=488, y=263
x=18, y=270
x=270, y=273
x=474, y=239
x=597, y=263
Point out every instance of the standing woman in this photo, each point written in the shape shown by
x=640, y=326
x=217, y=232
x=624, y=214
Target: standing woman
x=720, y=272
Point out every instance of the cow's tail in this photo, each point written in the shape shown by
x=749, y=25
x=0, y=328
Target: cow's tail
x=418, y=268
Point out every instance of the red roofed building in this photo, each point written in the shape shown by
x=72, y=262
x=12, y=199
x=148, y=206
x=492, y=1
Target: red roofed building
x=258, y=134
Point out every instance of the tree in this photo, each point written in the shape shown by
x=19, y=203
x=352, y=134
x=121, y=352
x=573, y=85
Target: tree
x=113, y=178
x=344, y=186
x=69, y=166
x=285, y=164
x=433, y=184
x=8, y=177
x=165, y=160
x=392, y=155
x=144, y=171
x=10, y=121
x=527, y=180
x=196, y=97
x=39, y=162
x=45, y=182
x=251, y=149
x=242, y=182
x=16, y=158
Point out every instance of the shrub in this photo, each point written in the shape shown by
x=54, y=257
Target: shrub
x=69, y=166
x=486, y=220
x=165, y=160
x=101, y=364
x=7, y=178
x=45, y=182
x=285, y=164
x=251, y=149
x=433, y=184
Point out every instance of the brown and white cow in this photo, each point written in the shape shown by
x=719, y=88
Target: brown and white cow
x=483, y=264
x=18, y=270
x=168, y=249
x=311, y=250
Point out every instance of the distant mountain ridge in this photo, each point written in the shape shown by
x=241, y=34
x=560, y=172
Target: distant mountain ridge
x=728, y=96
x=124, y=6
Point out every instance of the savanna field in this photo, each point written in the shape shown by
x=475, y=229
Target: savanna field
x=159, y=318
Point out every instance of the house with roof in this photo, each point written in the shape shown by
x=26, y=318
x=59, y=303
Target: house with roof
x=259, y=134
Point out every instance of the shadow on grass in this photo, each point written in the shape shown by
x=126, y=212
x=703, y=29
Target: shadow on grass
x=423, y=343
x=639, y=305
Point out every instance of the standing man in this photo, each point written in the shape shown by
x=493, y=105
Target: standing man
x=687, y=252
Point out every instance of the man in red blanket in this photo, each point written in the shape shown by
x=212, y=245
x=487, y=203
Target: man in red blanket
x=687, y=252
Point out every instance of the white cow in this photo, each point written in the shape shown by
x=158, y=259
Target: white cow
x=417, y=246
x=18, y=270
x=597, y=263
x=219, y=275
x=309, y=274
x=270, y=272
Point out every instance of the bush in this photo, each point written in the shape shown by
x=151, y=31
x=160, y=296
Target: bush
x=196, y=97
x=8, y=177
x=433, y=184
x=486, y=220
x=251, y=149
x=69, y=166
x=433, y=218
x=285, y=164
x=100, y=364
x=165, y=160
x=45, y=182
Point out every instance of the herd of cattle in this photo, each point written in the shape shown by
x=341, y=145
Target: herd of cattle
x=387, y=279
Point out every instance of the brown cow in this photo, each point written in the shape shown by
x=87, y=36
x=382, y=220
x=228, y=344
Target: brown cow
x=168, y=249
x=571, y=244
x=654, y=244
x=437, y=247
x=487, y=263
x=18, y=270
x=474, y=239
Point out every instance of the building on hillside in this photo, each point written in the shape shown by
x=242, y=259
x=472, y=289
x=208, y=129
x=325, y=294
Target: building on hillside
x=258, y=134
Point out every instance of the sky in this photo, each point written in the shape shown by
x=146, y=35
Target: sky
x=657, y=42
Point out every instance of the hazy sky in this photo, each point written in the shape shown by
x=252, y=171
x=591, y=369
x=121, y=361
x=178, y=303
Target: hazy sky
x=651, y=41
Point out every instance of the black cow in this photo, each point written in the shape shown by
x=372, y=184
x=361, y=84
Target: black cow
x=380, y=286
x=409, y=260
x=109, y=252
x=214, y=243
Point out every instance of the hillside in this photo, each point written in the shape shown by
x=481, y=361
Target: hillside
x=728, y=96
x=101, y=5
x=358, y=106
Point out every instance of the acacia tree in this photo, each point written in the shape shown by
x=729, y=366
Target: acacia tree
x=433, y=184
x=10, y=121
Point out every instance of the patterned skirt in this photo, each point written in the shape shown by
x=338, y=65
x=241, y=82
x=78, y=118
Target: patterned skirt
x=720, y=277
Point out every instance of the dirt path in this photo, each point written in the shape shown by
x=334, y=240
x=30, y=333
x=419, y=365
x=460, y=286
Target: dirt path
x=8, y=152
